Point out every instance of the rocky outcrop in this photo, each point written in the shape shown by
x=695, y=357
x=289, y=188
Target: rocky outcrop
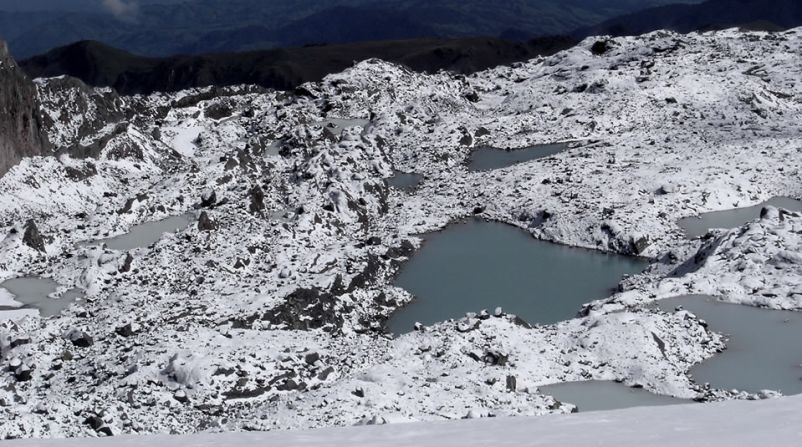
x=21, y=132
x=32, y=238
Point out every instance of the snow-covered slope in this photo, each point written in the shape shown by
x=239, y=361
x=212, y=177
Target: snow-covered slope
x=774, y=423
x=268, y=313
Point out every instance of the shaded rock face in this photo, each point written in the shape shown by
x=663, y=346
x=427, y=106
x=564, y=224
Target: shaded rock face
x=83, y=111
x=21, y=132
x=32, y=237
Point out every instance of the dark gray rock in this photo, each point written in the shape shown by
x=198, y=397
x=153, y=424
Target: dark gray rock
x=218, y=111
x=80, y=338
x=405, y=250
x=312, y=358
x=23, y=373
x=512, y=384
x=32, y=238
x=494, y=358
x=21, y=128
x=600, y=47
x=325, y=373
x=208, y=198
x=205, y=223
x=126, y=267
x=257, y=196
x=126, y=330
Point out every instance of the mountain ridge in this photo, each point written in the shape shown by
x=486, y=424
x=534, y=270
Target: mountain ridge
x=283, y=69
x=21, y=132
x=205, y=26
x=772, y=15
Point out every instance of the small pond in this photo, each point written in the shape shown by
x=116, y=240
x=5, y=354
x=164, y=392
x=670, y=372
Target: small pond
x=603, y=395
x=764, y=349
x=34, y=292
x=404, y=182
x=489, y=158
x=339, y=124
x=477, y=265
x=146, y=234
x=699, y=226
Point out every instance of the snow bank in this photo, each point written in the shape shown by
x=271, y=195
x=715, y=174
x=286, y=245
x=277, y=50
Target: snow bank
x=772, y=422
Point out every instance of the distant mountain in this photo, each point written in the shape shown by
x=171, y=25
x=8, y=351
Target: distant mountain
x=101, y=65
x=166, y=27
x=713, y=14
x=342, y=24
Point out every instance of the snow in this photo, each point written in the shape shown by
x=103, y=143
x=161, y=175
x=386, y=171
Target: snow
x=17, y=314
x=7, y=299
x=182, y=139
x=773, y=422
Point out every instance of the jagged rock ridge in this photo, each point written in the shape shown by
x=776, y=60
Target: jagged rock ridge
x=20, y=120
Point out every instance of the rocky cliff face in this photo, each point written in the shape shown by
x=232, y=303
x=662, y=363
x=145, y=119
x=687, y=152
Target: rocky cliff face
x=21, y=132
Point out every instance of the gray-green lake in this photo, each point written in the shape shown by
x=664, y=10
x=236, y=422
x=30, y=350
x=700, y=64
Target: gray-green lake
x=34, y=292
x=476, y=265
x=489, y=158
x=404, y=182
x=764, y=349
x=603, y=395
x=146, y=234
x=699, y=226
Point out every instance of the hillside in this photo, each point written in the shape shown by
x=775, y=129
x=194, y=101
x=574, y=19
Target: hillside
x=101, y=65
x=768, y=15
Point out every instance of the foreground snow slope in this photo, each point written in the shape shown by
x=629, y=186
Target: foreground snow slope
x=775, y=422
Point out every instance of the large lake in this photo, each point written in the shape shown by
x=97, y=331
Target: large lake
x=476, y=265
x=764, y=350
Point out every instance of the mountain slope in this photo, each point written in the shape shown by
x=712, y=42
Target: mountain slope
x=100, y=65
x=711, y=15
x=20, y=120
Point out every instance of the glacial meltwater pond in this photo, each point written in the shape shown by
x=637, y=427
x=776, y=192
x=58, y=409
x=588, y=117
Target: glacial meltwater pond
x=146, y=234
x=34, y=292
x=699, y=226
x=602, y=395
x=476, y=265
x=764, y=350
x=489, y=158
x=404, y=182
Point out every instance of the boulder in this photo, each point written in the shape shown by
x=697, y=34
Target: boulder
x=32, y=238
x=205, y=223
x=600, y=47
x=512, y=384
x=312, y=358
x=79, y=338
x=257, y=196
x=208, y=198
